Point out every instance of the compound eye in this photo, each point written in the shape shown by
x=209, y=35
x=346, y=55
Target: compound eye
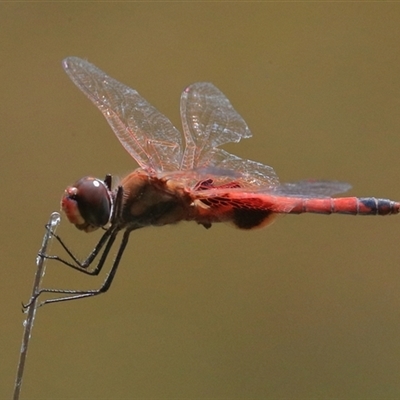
x=87, y=204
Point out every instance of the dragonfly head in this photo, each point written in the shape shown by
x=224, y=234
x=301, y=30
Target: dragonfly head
x=87, y=204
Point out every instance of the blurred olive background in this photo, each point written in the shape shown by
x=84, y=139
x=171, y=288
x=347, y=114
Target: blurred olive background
x=308, y=308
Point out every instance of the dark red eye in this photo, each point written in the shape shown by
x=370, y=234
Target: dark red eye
x=87, y=204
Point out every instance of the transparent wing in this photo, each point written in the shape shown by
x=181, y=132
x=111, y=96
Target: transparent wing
x=147, y=135
x=311, y=188
x=304, y=189
x=209, y=121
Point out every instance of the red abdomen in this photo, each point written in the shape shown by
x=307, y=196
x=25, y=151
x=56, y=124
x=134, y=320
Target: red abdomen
x=347, y=205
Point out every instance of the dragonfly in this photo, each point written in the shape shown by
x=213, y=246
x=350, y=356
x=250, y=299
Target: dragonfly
x=185, y=177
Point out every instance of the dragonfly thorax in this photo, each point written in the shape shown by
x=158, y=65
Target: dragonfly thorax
x=149, y=200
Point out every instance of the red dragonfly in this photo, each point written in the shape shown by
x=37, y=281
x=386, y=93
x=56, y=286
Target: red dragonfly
x=195, y=181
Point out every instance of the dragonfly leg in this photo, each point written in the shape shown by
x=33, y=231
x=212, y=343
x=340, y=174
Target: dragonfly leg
x=106, y=240
x=80, y=294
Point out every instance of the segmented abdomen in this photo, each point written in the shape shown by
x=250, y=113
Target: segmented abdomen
x=347, y=205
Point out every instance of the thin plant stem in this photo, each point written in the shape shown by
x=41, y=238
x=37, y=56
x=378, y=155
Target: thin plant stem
x=33, y=303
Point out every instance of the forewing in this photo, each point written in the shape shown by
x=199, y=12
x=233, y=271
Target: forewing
x=147, y=135
x=209, y=120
